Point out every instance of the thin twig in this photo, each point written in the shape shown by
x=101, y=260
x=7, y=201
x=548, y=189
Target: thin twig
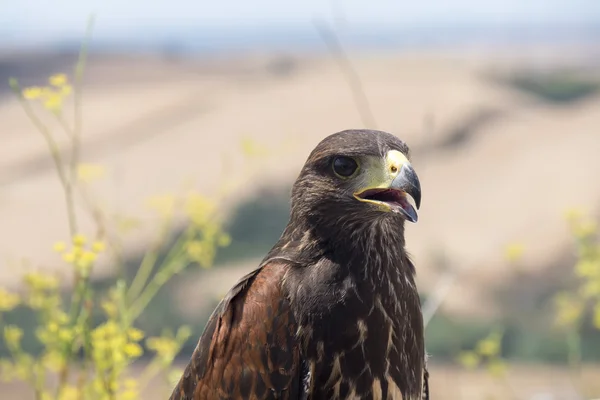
x=332, y=41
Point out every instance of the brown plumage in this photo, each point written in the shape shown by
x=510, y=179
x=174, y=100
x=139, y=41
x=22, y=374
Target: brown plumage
x=332, y=312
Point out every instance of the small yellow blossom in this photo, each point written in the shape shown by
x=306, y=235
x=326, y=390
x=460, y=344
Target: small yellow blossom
x=496, y=368
x=468, y=359
x=79, y=240
x=53, y=102
x=66, y=335
x=65, y=90
x=489, y=347
x=135, y=334
x=87, y=172
x=39, y=281
x=98, y=247
x=133, y=350
x=165, y=348
x=53, y=327
x=573, y=214
x=7, y=370
x=8, y=301
x=32, y=93
x=596, y=318
x=69, y=257
x=586, y=229
x=251, y=148
x=58, y=80
x=514, y=252
x=109, y=308
x=224, y=240
x=587, y=268
x=59, y=247
x=53, y=361
x=88, y=257
x=200, y=209
x=12, y=336
x=569, y=309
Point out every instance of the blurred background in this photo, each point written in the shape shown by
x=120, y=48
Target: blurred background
x=498, y=100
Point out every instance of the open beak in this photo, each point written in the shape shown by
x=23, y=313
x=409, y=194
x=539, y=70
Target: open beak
x=400, y=194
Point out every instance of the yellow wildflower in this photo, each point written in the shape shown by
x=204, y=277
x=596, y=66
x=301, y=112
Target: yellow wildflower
x=86, y=259
x=98, y=247
x=53, y=102
x=65, y=90
x=489, y=347
x=69, y=393
x=13, y=335
x=79, y=240
x=468, y=359
x=588, y=268
x=135, y=334
x=58, y=80
x=164, y=347
x=586, y=229
x=496, y=368
x=109, y=308
x=53, y=361
x=39, y=281
x=66, y=335
x=32, y=93
x=573, y=214
x=8, y=301
x=7, y=370
x=69, y=257
x=514, y=252
x=89, y=172
x=53, y=327
x=133, y=350
x=59, y=247
x=200, y=209
x=224, y=240
x=597, y=315
x=569, y=309
x=251, y=148
x=590, y=289
x=195, y=249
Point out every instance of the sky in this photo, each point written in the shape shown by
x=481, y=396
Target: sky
x=39, y=20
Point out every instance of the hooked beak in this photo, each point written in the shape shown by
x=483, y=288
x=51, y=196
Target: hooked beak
x=398, y=191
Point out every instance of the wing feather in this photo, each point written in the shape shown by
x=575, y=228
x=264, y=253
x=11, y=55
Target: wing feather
x=248, y=349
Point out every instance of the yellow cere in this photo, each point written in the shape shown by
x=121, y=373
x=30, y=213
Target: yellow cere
x=377, y=176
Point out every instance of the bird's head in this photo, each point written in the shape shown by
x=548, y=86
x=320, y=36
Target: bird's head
x=358, y=176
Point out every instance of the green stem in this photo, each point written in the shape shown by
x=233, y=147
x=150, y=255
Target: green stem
x=56, y=155
x=170, y=267
x=574, y=348
x=148, y=263
x=77, y=95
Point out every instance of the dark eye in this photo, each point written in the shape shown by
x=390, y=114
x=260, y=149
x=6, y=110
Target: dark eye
x=344, y=166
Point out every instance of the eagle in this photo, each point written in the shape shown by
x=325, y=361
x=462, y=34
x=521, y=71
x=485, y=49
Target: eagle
x=332, y=311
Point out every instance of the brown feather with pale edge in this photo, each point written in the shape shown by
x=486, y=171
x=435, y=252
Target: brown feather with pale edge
x=248, y=350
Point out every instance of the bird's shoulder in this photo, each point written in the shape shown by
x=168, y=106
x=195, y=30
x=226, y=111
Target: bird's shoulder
x=248, y=348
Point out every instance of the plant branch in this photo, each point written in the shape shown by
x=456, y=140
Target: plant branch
x=337, y=51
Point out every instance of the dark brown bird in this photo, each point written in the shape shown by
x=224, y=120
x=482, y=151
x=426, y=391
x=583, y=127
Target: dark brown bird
x=332, y=312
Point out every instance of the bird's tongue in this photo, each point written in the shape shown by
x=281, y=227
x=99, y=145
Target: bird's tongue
x=398, y=201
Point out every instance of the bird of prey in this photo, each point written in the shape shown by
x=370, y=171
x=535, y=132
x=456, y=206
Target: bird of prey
x=332, y=312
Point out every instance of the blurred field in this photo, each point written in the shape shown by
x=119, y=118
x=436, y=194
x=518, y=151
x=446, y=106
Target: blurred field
x=485, y=150
x=450, y=383
x=500, y=155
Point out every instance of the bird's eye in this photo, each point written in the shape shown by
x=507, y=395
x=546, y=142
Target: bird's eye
x=344, y=166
